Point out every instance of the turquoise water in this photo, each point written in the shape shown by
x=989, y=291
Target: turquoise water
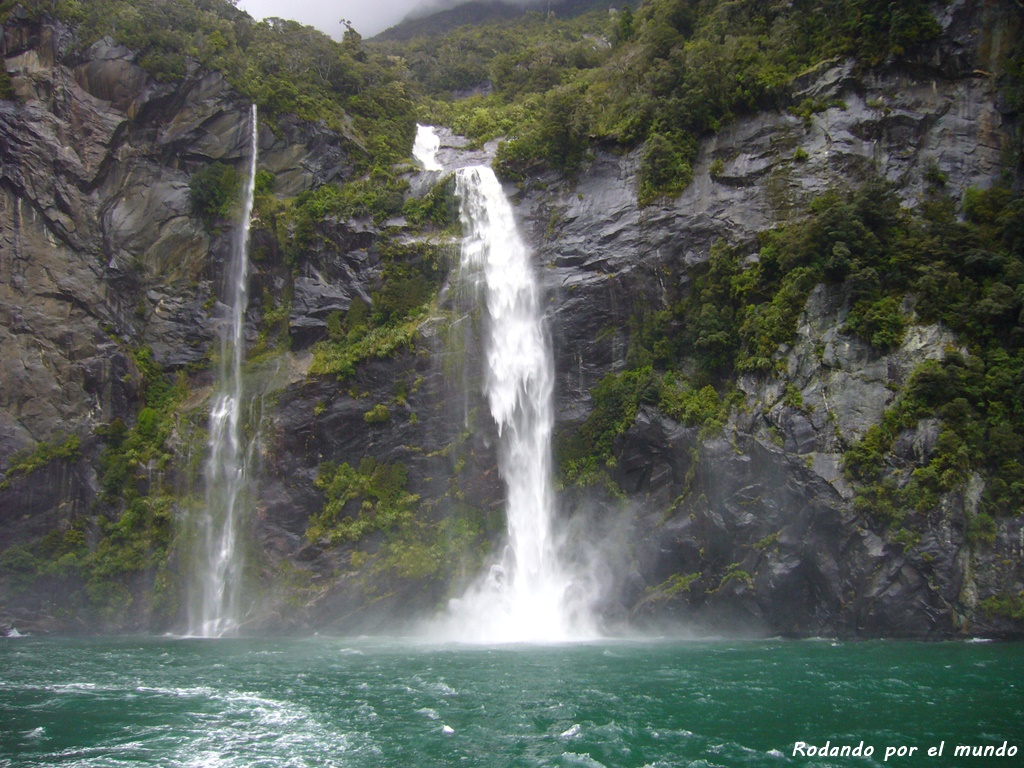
x=342, y=702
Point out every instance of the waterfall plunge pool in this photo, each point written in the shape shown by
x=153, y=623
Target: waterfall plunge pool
x=398, y=703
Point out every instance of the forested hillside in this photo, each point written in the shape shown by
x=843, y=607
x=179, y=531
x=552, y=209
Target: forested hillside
x=283, y=66
x=664, y=75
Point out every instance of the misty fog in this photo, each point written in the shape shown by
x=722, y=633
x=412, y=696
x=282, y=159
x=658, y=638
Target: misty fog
x=368, y=19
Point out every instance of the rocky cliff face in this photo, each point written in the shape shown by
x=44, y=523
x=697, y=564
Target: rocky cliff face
x=759, y=518
x=748, y=527
x=102, y=257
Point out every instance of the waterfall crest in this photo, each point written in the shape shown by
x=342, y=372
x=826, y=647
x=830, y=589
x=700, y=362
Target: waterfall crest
x=424, y=148
x=528, y=594
x=214, y=604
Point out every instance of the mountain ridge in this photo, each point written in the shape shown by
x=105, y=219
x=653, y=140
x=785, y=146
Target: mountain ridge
x=474, y=12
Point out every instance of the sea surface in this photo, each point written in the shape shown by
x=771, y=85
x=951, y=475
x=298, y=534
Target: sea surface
x=378, y=702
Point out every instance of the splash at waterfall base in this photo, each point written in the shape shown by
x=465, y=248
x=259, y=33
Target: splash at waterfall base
x=528, y=595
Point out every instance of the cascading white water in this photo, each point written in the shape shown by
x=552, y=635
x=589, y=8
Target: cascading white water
x=218, y=562
x=424, y=148
x=527, y=596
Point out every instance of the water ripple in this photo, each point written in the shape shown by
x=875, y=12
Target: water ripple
x=267, y=704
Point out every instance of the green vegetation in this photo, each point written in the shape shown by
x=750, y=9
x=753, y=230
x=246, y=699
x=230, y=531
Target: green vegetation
x=77, y=576
x=392, y=534
x=283, y=66
x=264, y=183
x=309, y=222
x=23, y=465
x=982, y=431
x=733, y=573
x=88, y=565
x=411, y=275
x=737, y=315
x=584, y=453
x=664, y=168
x=421, y=550
x=378, y=197
x=339, y=356
x=1010, y=606
x=793, y=397
x=214, y=191
x=360, y=501
x=674, y=587
x=879, y=321
x=273, y=335
x=379, y=414
x=438, y=208
x=131, y=453
x=6, y=86
x=131, y=476
x=656, y=80
x=970, y=275
x=702, y=407
x=808, y=108
x=662, y=76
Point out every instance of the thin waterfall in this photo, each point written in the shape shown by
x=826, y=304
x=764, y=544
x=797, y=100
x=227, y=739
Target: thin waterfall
x=214, y=610
x=528, y=594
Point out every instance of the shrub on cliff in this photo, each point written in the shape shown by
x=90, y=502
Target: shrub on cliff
x=6, y=86
x=214, y=191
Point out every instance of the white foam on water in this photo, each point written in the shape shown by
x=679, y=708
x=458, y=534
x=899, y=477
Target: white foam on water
x=584, y=759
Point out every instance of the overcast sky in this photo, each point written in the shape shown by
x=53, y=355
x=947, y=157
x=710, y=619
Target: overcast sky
x=367, y=16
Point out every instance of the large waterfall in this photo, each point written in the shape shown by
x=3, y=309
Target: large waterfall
x=214, y=604
x=527, y=596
